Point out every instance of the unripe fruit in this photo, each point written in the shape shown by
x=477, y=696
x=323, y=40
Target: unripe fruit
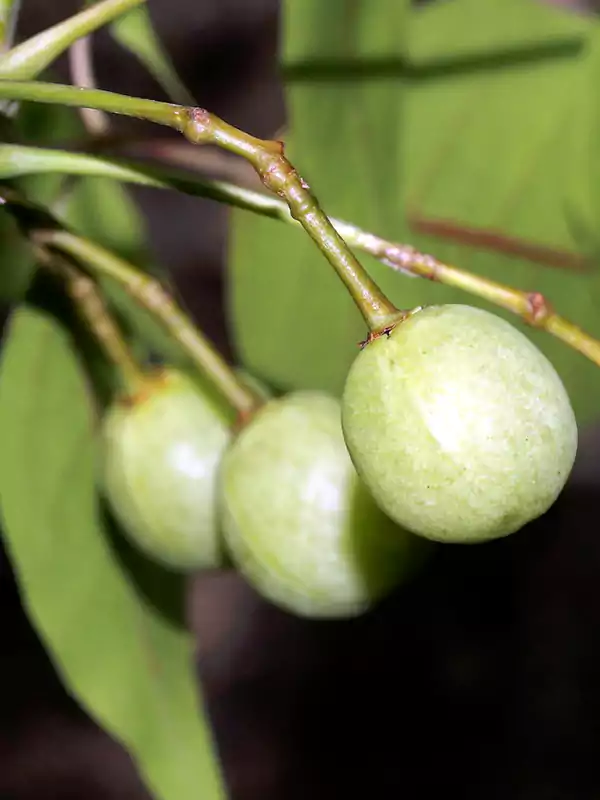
x=161, y=457
x=300, y=525
x=459, y=425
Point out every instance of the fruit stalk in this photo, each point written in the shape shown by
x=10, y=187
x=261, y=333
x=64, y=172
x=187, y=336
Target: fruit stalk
x=93, y=311
x=151, y=295
x=281, y=178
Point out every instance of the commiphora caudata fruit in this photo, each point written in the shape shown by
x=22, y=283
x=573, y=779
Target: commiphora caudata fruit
x=161, y=454
x=460, y=427
x=299, y=523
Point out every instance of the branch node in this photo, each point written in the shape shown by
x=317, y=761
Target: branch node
x=196, y=125
x=538, y=309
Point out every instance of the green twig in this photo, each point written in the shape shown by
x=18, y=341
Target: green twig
x=532, y=307
x=31, y=57
x=94, y=313
x=150, y=294
x=267, y=158
x=73, y=96
x=280, y=177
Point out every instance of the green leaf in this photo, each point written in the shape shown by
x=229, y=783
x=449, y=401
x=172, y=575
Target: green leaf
x=503, y=165
x=17, y=266
x=583, y=188
x=111, y=622
x=483, y=140
x=500, y=31
x=135, y=32
x=103, y=210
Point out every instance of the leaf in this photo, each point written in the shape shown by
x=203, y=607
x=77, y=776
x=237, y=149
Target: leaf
x=135, y=32
x=483, y=142
x=503, y=165
x=111, y=622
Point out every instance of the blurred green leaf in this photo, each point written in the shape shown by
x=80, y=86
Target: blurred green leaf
x=52, y=125
x=103, y=210
x=17, y=267
x=499, y=32
x=583, y=188
x=112, y=622
x=479, y=134
x=135, y=32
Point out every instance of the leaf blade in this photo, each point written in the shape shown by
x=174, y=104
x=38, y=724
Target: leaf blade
x=128, y=662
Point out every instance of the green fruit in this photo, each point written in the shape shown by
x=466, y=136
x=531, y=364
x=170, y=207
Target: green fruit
x=459, y=425
x=300, y=525
x=161, y=457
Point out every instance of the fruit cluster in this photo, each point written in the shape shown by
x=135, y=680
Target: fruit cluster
x=452, y=427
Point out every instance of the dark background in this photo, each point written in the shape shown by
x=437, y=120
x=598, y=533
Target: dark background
x=480, y=679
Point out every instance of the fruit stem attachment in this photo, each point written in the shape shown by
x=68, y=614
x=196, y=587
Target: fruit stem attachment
x=32, y=56
x=148, y=293
x=90, y=304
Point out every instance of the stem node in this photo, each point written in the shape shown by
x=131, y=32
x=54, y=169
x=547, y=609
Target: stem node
x=538, y=310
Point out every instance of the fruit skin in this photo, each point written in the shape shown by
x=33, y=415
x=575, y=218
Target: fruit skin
x=459, y=425
x=161, y=455
x=299, y=524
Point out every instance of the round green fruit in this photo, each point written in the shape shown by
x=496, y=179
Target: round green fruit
x=459, y=425
x=161, y=455
x=299, y=523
